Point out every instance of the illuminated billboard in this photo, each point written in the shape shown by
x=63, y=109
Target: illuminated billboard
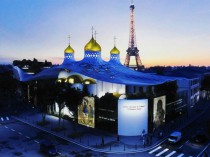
x=86, y=112
x=159, y=110
x=132, y=117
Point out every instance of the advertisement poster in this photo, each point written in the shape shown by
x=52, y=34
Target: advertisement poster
x=132, y=117
x=159, y=111
x=86, y=112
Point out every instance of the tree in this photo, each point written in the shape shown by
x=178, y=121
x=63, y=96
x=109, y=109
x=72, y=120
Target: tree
x=45, y=93
x=109, y=101
x=8, y=85
x=74, y=98
x=61, y=104
x=60, y=98
x=85, y=91
x=8, y=88
x=205, y=84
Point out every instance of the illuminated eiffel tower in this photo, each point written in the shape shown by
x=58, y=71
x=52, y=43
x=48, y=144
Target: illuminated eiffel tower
x=132, y=47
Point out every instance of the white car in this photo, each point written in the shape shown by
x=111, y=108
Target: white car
x=175, y=137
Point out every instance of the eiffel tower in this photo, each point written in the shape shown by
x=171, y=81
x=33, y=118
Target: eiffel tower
x=132, y=48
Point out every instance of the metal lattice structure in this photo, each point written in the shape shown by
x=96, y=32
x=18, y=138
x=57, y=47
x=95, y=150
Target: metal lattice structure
x=132, y=47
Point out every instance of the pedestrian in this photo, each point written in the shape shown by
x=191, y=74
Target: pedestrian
x=118, y=139
x=161, y=134
x=205, y=155
x=143, y=133
x=150, y=139
x=144, y=142
x=102, y=141
x=147, y=140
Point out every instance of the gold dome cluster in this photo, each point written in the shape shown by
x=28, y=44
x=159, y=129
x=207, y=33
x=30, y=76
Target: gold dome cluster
x=115, y=51
x=92, y=45
x=69, y=49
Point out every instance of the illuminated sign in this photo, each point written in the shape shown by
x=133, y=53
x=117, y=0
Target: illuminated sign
x=86, y=112
x=159, y=111
x=132, y=117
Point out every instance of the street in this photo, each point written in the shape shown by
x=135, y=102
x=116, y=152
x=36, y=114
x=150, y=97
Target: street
x=20, y=139
x=186, y=147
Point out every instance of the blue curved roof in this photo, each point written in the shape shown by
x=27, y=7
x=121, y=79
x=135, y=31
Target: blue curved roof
x=113, y=72
x=95, y=67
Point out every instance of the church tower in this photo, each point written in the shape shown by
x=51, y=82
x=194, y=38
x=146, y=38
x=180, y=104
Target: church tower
x=68, y=54
x=115, y=54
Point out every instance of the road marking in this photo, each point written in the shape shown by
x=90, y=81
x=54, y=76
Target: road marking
x=186, y=141
x=12, y=129
x=180, y=155
x=36, y=141
x=6, y=127
x=20, y=133
x=7, y=118
x=27, y=137
x=170, y=154
x=181, y=146
x=155, y=150
x=2, y=119
x=165, y=150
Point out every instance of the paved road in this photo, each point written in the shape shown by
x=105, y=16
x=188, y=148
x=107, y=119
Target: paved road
x=17, y=138
x=185, y=147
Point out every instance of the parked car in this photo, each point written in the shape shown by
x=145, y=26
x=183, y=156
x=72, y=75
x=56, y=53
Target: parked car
x=199, y=138
x=48, y=148
x=175, y=137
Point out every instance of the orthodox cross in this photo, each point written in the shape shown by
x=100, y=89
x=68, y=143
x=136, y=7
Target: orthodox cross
x=92, y=28
x=115, y=40
x=95, y=34
x=69, y=38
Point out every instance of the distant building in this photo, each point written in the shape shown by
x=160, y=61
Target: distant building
x=191, y=82
x=32, y=67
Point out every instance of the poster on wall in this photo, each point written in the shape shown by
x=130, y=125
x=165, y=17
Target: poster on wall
x=86, y=112
x=159, y=111
x=132, y=117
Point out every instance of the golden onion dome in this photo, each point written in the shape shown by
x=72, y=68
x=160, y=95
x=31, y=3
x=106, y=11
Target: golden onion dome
x=115, y=51
x=69, y=49
x=96, y=47
x=92, y=45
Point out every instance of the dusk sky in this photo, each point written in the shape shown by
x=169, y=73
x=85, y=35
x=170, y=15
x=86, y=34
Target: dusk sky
x=168, y=32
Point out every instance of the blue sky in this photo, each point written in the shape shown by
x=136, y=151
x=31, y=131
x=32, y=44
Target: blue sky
x=168, y=32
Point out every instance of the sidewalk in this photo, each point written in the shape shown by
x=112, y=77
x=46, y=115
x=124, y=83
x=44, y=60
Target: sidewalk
x=100, y=141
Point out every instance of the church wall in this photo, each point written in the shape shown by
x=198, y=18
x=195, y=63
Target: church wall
x=105, y=87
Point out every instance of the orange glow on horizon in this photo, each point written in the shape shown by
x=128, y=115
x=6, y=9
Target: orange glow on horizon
x=59, y=60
